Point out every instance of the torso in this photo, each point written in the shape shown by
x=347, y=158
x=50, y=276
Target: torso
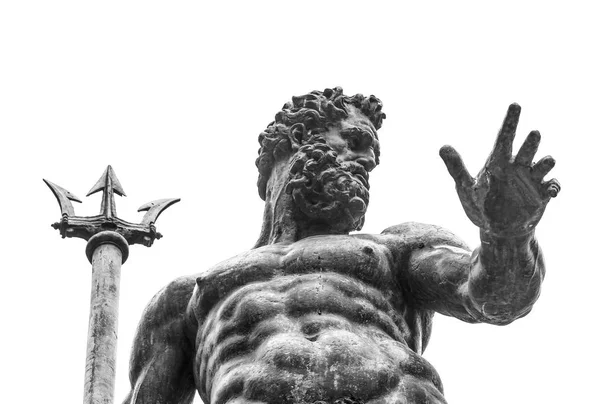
x=319, y=319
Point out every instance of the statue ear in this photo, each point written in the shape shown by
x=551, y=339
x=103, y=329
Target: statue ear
x=297, y=134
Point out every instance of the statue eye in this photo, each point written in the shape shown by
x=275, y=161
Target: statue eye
x=353, y=142
x=352, y=137
x=358, y=139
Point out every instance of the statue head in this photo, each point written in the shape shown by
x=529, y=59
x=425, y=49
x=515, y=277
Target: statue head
x=330, y=141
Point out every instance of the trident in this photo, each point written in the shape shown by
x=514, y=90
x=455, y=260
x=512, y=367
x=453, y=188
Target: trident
x=108, y=239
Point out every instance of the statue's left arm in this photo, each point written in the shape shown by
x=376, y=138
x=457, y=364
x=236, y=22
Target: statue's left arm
x=501, y=279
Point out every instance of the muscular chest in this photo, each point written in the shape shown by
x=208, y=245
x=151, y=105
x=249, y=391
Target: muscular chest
x=355, y=259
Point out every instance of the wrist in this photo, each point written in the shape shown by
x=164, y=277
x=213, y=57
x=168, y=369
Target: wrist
x=506, y=237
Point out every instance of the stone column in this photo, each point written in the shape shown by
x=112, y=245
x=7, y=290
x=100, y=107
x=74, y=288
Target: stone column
x=107, y=251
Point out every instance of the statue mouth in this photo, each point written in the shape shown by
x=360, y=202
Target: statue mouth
x=358, y=171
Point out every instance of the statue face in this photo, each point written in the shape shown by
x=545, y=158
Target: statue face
x=329, y=180
x=354, y=139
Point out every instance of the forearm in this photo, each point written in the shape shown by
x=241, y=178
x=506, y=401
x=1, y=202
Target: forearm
x=505, y=277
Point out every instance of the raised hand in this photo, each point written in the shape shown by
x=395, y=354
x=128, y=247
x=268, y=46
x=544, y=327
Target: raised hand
x=509, y=195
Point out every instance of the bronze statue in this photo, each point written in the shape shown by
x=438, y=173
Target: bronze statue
x=312, y=314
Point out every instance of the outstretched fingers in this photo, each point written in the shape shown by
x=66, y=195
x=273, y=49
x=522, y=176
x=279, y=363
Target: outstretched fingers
x=456, y=167
x=528, y=149
x=542, y=167
x=504, y=141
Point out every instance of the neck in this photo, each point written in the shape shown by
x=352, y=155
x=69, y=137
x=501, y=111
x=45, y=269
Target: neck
x=281, y=222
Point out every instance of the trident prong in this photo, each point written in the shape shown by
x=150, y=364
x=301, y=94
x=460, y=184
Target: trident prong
x=109, y=185
x=155, y=208
x=64, y=197
x=107, y=249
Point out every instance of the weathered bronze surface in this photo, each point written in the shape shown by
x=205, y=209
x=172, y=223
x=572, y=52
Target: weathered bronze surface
x=312, y=314
x=108, y=239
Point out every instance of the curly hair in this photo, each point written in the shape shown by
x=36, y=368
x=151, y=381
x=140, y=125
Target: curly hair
x=317, y=111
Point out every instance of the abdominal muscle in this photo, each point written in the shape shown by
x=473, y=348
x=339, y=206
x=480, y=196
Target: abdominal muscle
x=302, y=339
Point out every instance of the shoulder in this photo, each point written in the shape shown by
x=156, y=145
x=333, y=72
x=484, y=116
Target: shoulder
x=177, y=290
x=414, y=235
x=171, y=300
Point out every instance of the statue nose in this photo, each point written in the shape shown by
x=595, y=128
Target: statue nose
x=368, y=162
x=362, y=145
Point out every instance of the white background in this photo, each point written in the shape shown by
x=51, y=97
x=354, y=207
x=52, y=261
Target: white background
x=174, y=97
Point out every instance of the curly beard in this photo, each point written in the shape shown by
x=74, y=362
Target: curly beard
x=326, y=191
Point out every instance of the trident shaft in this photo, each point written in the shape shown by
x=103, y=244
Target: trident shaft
x=107, y=249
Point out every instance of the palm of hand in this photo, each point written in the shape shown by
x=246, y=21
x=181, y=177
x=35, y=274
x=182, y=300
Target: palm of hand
x=509, y=195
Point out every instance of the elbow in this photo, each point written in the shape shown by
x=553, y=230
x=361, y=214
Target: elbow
x=503, y=314
x=503, y=308
x=501, y=304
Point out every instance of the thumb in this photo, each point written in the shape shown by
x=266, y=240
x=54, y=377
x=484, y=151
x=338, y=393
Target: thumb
x=456, y=166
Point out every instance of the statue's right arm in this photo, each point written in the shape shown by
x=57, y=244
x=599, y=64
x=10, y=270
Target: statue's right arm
x=496, y=283
x=162, y=356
